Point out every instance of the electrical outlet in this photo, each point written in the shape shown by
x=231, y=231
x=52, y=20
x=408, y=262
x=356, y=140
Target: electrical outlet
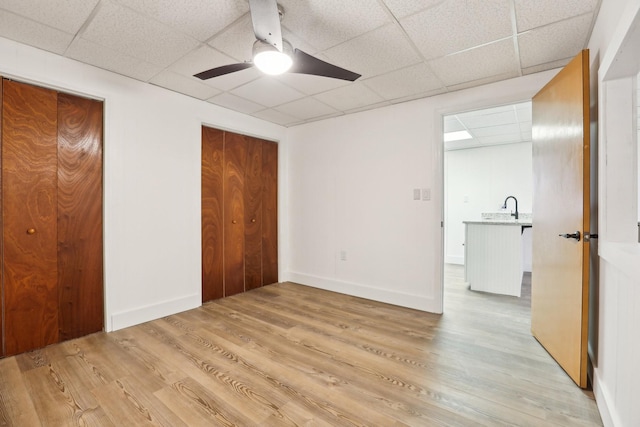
x=426, y=194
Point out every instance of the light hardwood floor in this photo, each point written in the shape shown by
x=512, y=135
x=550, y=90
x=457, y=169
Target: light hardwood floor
x=286, y=355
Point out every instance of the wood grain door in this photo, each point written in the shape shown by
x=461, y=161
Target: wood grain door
x=79, y=224
x=2, y=350
x=560, y=287
x=212, y=213
x=29, y=210
x=269, y=212
x=235, y=162
x=253, y=214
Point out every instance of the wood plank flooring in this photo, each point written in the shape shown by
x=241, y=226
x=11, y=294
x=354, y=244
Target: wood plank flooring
x=287, y=355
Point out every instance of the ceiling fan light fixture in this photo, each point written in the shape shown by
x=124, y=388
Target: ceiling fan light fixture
x=270, y=60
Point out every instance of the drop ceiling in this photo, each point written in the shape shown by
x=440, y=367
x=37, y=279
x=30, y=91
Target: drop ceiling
x=506, y=124
x=404, y=49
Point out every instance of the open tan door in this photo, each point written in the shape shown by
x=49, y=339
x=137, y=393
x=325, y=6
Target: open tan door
x=560, y=276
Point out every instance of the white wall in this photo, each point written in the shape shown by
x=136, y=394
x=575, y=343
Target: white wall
x=614, y=46
x=478, y=180
x=351, y=189
x=151, y=178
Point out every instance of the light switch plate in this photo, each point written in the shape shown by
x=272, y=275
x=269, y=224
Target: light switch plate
x=416, y=194
x=426, y=194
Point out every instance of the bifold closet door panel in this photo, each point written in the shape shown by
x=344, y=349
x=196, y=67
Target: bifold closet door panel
x=80, y=269
x=253, y=215
x=235, y=162
x=29, y=196
x=1, y=255
x=269, y=213
x=212, y=214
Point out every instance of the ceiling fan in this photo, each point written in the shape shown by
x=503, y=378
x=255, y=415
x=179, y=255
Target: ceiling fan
x=274, y=55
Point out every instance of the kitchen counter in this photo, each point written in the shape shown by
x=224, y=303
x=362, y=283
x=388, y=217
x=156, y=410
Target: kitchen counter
x=522, y=223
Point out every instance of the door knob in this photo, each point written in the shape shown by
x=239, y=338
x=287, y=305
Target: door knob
x=234, y=221
x=253, y=220
x=575, y=235
x=31, y=231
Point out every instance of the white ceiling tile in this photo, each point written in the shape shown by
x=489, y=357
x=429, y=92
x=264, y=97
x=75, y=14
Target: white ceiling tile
x=200, y=19
x=456, y=25
x=276, y=117
x=483, y=81
x=526, y=136
x=326, y=23
x=68, y=15
x=350, y=97
x=205, y=58
x=452, y=124
x=233, y=80
x=402, y=8
x=377, y=52
x=475, y=121
x=489, y=60
x=532, y=14
x=182, y=84
x=28, y=32
x=309, y=84
x=418, y=96
x=508, y=138
x=523, y=107
x=525, y=126
x=200, y=59
x=306, y=108
x=237, y=40
x=236, y=103
x=540, y=46
x=511, y=129
x=415, y=79
x=126, y=31
x=90, y=53
x=524, y=115
x=267, y=91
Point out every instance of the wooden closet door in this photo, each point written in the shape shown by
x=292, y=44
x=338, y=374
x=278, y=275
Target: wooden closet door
x=269, y=213
x=235, y=161
x=80, y=267
x=29, y=196
x=1, y=253
x=212, y=214
x=253, y=214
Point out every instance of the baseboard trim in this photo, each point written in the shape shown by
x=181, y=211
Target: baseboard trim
x=602, y=400
x=127, y=318
x=417, y=302
x=450, y=259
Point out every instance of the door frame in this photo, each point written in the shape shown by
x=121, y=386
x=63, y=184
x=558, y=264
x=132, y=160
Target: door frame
x=618, y=248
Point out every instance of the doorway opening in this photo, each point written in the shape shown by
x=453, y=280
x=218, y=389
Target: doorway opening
x=487, y=159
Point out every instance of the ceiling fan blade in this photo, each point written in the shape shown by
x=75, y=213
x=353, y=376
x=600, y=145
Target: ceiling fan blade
x=266, y=22
x=303, y=63
x=225, y=69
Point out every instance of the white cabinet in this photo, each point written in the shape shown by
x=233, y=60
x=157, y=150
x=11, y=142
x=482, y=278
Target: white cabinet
x=493, y=256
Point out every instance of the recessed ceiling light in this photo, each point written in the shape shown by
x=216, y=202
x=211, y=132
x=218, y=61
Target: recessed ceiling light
x=457, y=136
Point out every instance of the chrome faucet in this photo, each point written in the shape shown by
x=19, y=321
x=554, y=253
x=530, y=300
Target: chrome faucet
x=504, y=206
